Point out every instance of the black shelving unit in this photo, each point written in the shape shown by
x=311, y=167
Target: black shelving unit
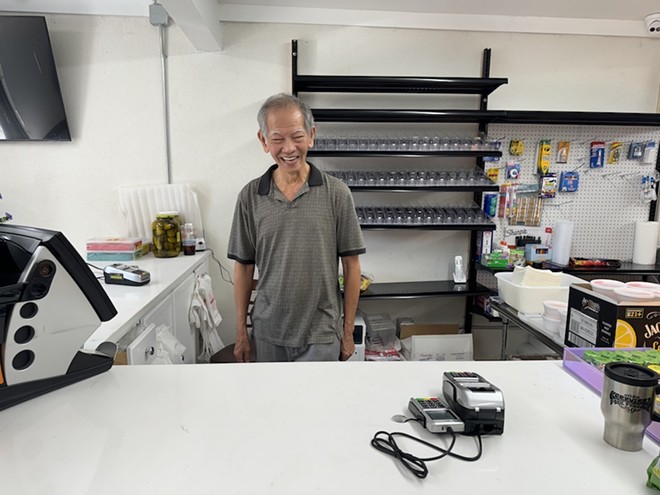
x=481, y=86
x=452, y=226
x=579, y=118
x=414, y=290
x=393, y=84
x=404, y=154
x=423, y=188
x=407, y=115
x=626, y=268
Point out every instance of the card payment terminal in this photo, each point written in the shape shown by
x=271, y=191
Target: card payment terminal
x=434, y=415
x=478, y=403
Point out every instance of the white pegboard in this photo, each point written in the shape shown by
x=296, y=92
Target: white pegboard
x=608, y=200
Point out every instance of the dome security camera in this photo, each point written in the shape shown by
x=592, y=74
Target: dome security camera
x=653, y=23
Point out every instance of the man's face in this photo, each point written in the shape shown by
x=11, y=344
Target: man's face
x=287, y=141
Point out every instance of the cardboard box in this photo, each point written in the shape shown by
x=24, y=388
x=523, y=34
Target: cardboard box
x=595, y=320
x=535, y=253
x=436, y=342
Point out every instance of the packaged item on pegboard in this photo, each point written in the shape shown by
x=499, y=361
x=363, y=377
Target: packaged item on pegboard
x=563, y=149
x=512, y=170
x=614, y=154
x=490, y=204
x=597, y=154
x=516, y=147
x=524, y=205
x=493, y=173
x=569, y=181
x=548, y=185
x=649, y=148
x=504, y=201
x=648, y=189
x=543, y=157
x=635, y=151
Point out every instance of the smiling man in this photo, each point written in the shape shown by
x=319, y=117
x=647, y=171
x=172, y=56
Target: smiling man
x=293, y=224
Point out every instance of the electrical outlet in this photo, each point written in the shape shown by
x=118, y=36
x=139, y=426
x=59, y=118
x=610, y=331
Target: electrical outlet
x=200, y=244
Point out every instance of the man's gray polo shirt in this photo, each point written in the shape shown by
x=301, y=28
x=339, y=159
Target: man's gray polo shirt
x=296, y=247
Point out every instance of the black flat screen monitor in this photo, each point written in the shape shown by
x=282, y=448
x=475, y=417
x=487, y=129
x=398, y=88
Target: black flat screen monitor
x=31, y=105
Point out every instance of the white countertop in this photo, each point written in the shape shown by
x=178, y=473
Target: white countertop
x=131, y=302
x=303, y=428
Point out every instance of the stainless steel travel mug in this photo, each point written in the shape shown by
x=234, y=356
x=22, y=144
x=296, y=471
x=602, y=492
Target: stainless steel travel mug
x=627, y=404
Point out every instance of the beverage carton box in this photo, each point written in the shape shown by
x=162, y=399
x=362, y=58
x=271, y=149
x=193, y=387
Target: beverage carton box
x=595, y=320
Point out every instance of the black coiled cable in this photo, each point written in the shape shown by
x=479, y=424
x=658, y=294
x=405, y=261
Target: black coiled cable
x=385, y=442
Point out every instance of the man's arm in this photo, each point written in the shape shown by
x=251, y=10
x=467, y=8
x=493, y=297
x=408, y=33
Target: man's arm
x=242, y=290
x=352, y=274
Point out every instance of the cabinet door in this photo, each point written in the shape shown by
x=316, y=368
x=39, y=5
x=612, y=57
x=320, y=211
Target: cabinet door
x=183, y=331
x=162, y=314
x=143, y=349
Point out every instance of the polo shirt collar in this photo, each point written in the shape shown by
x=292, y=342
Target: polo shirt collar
x=315, y=178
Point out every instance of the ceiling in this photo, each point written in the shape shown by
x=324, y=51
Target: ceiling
x=582, y=9
x=574, y=9
x=201, y=19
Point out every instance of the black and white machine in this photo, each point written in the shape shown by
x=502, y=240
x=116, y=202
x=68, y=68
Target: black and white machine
x=359, y=337
x=50, y=304
x=434, y=415
x=478, y=403
x=469, y=405
x=122, y=274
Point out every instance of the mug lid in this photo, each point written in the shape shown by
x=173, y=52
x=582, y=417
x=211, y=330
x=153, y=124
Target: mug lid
x=632, y=374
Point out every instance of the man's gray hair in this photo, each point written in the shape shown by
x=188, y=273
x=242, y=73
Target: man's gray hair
x=284, y=100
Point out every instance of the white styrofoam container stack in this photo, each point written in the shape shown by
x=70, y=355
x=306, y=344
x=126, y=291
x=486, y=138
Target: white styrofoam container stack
x=529, y=300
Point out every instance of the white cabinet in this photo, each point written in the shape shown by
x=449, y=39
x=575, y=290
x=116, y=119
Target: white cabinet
x=162, y=314
x=164, y=301
x=180, y=303
x=143, y=349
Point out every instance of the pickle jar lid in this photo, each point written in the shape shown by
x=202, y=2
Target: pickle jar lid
x=167, y=214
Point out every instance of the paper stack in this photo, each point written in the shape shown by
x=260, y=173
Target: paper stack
x=532, y=277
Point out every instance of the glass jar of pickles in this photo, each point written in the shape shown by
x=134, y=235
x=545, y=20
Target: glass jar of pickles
x=166, y=235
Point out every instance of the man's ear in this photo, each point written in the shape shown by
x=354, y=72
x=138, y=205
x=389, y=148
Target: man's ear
x=312, y=136
x=262, y=140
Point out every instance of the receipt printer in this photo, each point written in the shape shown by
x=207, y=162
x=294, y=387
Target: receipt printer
x=478, y=403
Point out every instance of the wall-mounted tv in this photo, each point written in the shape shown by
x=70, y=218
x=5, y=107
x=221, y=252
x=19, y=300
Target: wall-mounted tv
x=31, y=106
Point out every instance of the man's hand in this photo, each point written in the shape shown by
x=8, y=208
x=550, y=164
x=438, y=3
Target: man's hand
x=243, y=287
x=242, y=348
x=347, y=346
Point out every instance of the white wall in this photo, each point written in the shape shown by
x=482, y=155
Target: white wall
x=109, y=70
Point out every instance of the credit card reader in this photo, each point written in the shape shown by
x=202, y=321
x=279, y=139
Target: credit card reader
x=476, y=401
x=122, y=274
x=434, y=415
